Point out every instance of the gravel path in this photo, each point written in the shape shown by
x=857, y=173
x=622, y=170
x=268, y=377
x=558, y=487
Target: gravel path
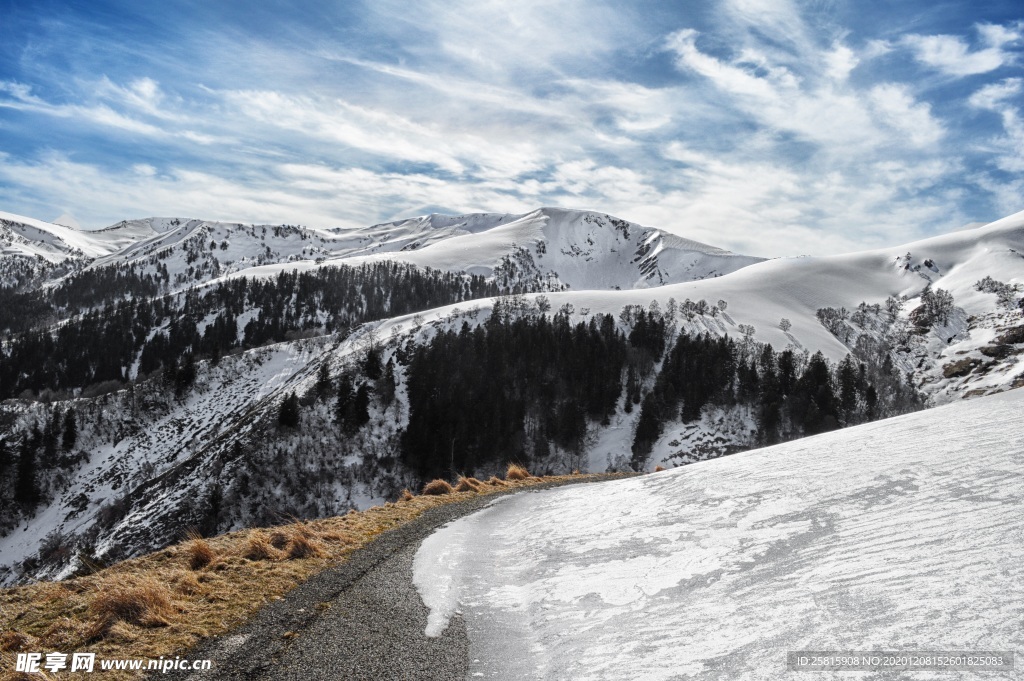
x=362, y=619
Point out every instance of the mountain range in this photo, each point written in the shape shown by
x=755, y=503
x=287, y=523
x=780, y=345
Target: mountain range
x=170, y=373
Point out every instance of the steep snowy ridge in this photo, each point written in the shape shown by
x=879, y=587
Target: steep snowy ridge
x=580, y=249
x=547, y=249
x=33, y=251
x=415, y=233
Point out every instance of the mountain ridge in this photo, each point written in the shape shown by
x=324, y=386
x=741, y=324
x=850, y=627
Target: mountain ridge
x=170, y=443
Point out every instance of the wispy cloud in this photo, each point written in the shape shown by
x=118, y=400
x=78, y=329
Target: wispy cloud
x=1008, y=148
x=951, y=54
x=761, y=126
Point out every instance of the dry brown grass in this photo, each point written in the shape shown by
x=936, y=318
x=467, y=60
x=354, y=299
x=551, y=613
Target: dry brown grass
x=302, y=546
x=258, y=547
x=279, y=539
x=22, y=676
x=143, y=601
x=406, y=495
x=158, y=605
x=495, y=481
x=516, y=472
x=15, y=641
x=436, y=488
x=467, y=485
x=658, y=469
x=200, y=553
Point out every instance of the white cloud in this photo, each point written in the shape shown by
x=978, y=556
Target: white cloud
x=952, y=55
x=771, y=208
x=143, y=95
x=840, y=61
x=780, y=19
x=503, y=38
x=308, y=194
x=898, y=109
x=1009, y=148
x=827, y=111
x=994, y=95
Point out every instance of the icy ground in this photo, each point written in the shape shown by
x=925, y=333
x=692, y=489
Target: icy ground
x=905, y=534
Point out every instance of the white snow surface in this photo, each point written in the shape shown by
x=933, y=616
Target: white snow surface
x=905, y=534
x=586, y=250
x=28, y=237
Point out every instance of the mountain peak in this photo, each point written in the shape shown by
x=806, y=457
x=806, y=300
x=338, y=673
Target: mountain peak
x=69, y=221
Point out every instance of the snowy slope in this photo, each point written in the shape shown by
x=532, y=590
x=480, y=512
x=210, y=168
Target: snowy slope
x=879, y=537
x=762, y=294
x=30, y=238
x=147, y=435
x=547, y=249
x=32, y=248
x=581, y=249
x=167, y=455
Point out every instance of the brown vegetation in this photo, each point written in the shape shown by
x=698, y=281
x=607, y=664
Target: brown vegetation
x=200, y=554
x=436, y=488
x=143, y=601
x=259, y=547
x=160, y=604
x=468, y=485
x=302, y=546
x=516, y=472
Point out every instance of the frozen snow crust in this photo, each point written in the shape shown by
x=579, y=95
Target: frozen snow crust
x=905, y=534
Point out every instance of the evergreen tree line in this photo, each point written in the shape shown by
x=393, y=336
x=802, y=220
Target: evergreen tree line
x=43, y=448
x=78, y=292
x=101, y=345
x=790, y=395
x=509, y=389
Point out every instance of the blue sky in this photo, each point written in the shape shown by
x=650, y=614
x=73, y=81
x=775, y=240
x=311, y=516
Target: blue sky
x=766, y=126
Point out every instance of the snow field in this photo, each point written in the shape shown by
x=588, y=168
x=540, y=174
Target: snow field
x=905, y=534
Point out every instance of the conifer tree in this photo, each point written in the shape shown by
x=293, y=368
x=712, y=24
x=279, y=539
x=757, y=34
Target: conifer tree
x=26, y=490
x=323, y=381
x=288, y=412
x=70, y=435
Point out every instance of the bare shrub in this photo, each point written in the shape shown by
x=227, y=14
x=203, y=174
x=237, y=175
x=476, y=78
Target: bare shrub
x=186, y=583
x=279, y=539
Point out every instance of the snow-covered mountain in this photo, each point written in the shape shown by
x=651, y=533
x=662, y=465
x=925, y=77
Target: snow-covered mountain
x=152, y=459
x=762, y=294
x=31, y=249
x=902, y=535
x=547, y=249
x=554, y=248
